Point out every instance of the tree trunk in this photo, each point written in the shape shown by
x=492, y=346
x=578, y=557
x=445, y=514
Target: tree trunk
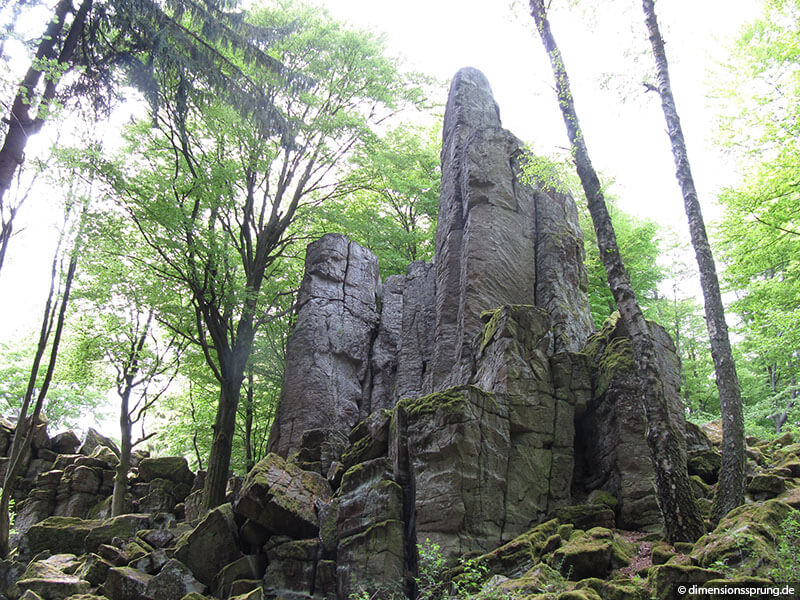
x=730, y=489
x=676, y=499
x=219, y=461
x=23, y=431
x=121, y=475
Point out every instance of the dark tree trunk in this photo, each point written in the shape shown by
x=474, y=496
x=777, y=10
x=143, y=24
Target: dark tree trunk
x=125, y=447
x=676, y=499
x=730, y=489
x=21, y=124
x=219, y=461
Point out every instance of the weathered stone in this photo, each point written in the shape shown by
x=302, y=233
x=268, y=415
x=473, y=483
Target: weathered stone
x=86, y=480
x=384, y=358
x=171, y=468
x=65, y=442
x=416, y=337
x=368, y=495
x=593, y=554
x=369, y=439
x=704, y=463
x=611, y=447
x=94, y=569
x=498, y=241
x=49, y=582
x=290, y=567
x=745, y=539
x=173, y=582
x=280, y=497
x=59, y=535
x=124, y=583
x=122, y=526
x=458, y=449
x=370, y=557
x=247, y=567
x=320, y=448
x=93, y=439
x=328, y=354
x=213, y=543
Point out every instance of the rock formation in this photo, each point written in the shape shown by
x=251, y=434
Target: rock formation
x=459, y=403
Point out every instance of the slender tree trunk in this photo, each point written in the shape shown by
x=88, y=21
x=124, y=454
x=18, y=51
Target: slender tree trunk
x=24, y=430
x=676, y=499
x=126, y=444
x=730, y=489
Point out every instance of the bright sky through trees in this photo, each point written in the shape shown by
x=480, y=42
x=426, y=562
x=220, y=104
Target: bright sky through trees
x=623, y=124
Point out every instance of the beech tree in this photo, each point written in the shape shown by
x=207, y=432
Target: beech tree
x=682, y=518
x=95, y=40
x=730, y=489
x=213, y=195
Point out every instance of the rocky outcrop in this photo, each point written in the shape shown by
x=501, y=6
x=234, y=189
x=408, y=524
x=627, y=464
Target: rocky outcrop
x=612, y=446
x=498, y=240
x=328, y=355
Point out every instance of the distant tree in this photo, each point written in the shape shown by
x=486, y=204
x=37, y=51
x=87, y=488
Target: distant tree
x=389, y=201
x=65, y=260
x=682, y=518
x=730, y=489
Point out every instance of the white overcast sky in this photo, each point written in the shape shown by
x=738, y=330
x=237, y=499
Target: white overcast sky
x=624, y=129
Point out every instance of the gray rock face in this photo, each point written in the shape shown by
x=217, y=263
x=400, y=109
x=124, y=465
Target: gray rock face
x=498, y=240
x=416, y=343
x=384, y=359
x=614, y=455
x=328, y=355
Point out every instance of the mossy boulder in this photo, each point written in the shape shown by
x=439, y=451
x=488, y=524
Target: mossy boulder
x=663, y=579
x=586, y=516
x=539, y=579
x=122, y=526
x=621, y=589
x=49, y=582
x=125, y=583
x=171, y=468
x=745, y=538
x=280, y=497
x=58, y=535
x=211, y=545
x=594, y=553
x=766, y=485
x=519, y=555
x=705, y=464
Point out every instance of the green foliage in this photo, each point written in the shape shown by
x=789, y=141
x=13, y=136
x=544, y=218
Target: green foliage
x=71, y=395
x=759, y=235
x=788, y=551
x=389, y=202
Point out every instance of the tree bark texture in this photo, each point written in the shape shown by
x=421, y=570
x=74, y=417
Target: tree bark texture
x=676, y=499
x=730, y=489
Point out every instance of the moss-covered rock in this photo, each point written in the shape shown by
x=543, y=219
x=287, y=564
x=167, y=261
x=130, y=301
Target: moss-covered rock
x=705, y=464
x=594, y=553
x=766, y=485
x=745, y=539
x=49, y=582
x=621, y=589
x=586, y=516
x=663, y=579
x=519, y=555
x=280, y=497
x=59, y=535
x=211, y=545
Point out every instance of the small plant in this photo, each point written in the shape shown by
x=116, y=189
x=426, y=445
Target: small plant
x=788, y=551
